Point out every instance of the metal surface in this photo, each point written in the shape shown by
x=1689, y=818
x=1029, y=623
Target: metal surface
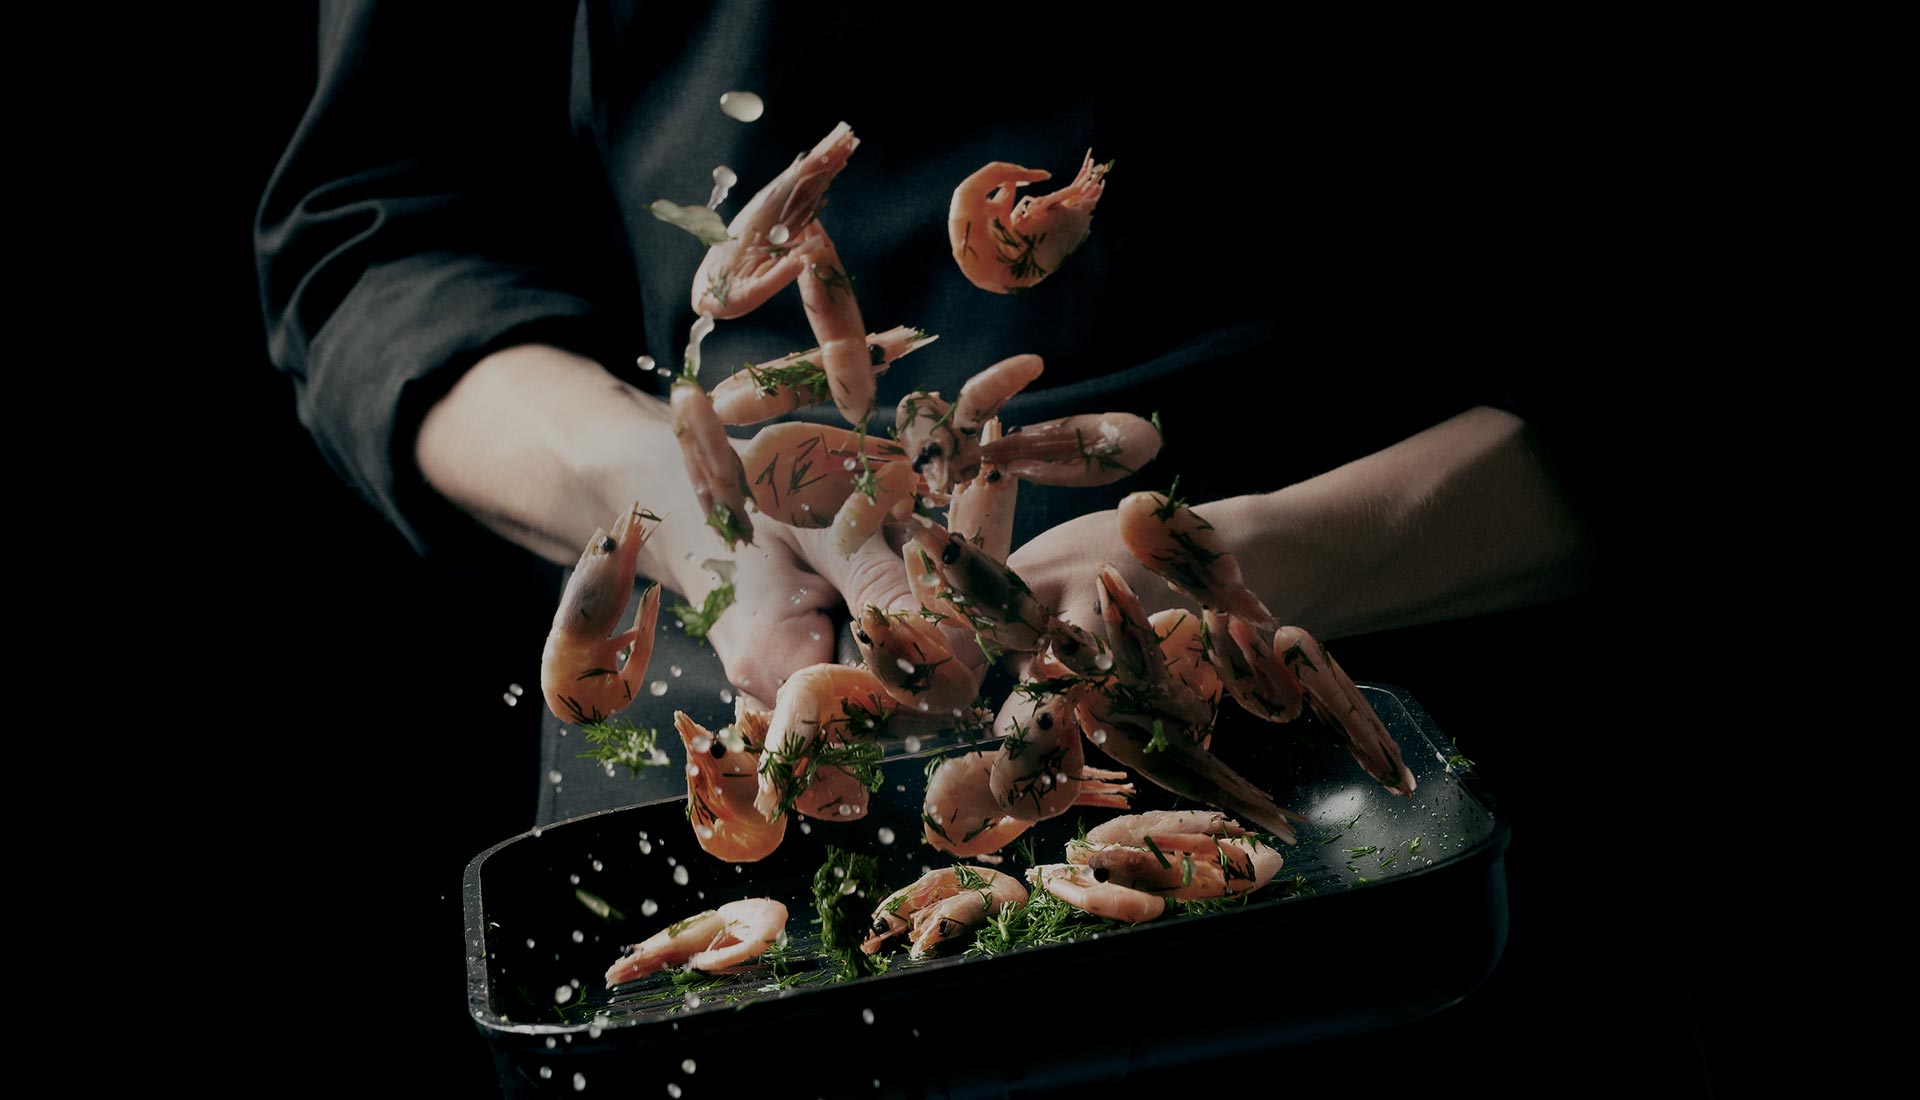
x=1401, y=911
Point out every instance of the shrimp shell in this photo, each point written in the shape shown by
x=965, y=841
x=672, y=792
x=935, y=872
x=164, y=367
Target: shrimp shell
x=1002, y=247
x=982, y=509
x=798, y=473
x=834, y=312
x=960, y=816
x=1091, y=449
x=740, y=273
x=721, y=786
x=1077, y=886
x=719, y=480
x=1340, y=704
x=1171, y=539
x=582, y=677
x=748, y=397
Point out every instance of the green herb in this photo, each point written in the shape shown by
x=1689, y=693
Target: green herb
x=800, y=374
x=1039, y=690
x=1024, y=263
x=1413, y=845
x=1387, y=861
x=1158, y=854
x=717, y=286
x=1298, y=887
x=700, y=221
x=1170, y=503
x=1023, y=850
x=842, y=924
x=1044, y=919
x=1186, y=867
x=1363, y=850
x=1331, y=839
x=1158, y=743
x=698, y=622
x=597, y=906
x=1295, y=655
x=619, y=741
x=1155, y=421
x=833, y=279
x=1356, y=819
x=968, y=879
x=1101, y=458
x=1458, y=761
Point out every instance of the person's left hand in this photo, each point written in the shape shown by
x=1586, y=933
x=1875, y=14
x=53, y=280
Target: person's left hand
x=1062, y=567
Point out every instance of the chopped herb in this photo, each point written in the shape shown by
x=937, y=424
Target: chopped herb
x=1363, y=850
x=1170, y=503
x=1158, y=743
x=1356, y=819
x=1458, y=761
x=1044, y=919
x=801, y=375
x=696, y=622
x=1155, y=421
x=619, y=741
x=968, y=878
x=1413, y=845
x=842, y=924
x=1387, y=861
x=1022, y=247
x=1331, y=839
x=597, y=906
x=1158, y=854
x=833, y=279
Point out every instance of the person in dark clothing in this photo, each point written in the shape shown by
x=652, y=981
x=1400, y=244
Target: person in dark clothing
x=459, y=271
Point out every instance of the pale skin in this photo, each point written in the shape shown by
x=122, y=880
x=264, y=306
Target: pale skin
x=544, y=446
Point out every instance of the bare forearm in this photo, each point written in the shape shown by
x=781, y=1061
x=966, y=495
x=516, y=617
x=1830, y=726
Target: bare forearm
x=1458, y=520
x=544, y=446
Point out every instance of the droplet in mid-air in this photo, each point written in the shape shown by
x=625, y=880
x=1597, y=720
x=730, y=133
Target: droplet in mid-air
x=546, y=1072
x=886, y=835
x=579, y=937
x=563, y=995
x=723, y=181
x=701, y=743
x=553, y=777
x=579, y=1082
x=673, y=670
x=649, y=907
x=913, y=743
x=645, y=363
x=866, y=1014
x=680, y=876
x=687, y=1066
x=673, y=1090
x=516, y=689
x=646, y=846
x=1102, y=662
x=848, y=464
x=657, y=688
x=742, y=106
x=510, y=699
x=693, y=771
x=598, y=866
x=726, y=696
x=1098, y=737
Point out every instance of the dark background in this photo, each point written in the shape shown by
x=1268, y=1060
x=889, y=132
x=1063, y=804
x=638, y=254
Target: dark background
x=361, y=752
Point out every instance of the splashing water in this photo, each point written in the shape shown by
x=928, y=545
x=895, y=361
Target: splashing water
x=723, y=181
x=695, y=337
x=742, y=106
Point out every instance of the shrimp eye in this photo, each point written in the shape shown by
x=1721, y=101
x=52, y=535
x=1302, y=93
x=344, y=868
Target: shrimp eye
x=952, y=553
x=877, y=354
x=1045, y=720
x=879, y=926
x=1101, y=874
x=609, y=546
x=993, y=477
x=718, y=750
x=946, y=928
x=927, y=454
x=862, y=635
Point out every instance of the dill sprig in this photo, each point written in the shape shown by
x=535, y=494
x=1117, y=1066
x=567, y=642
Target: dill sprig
x=1024, y=264
x=619, y=741
x=842, y=921
x=696, y=622
x=1042, y=920
x=801, y=374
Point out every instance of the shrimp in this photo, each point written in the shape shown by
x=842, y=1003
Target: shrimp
x=1002, y=247
x=881, y=490
x=581, y=673
x=801, y=474
x=818, y=711
x=721, y=785
x=719, y=480
x=914, y=662
x=923, y=422
x=1083, y=889
x=982, y=509
x=1139, y=663
x=989, y=597
x=1183, y=646
x=940, y=905
x=1216, y=869
x=1338, y=703
x=1171, y=539
x=1094, y=449
x=960, y=816
x=1245, y=665
x=827, y=293
x=714, y=940
x=980, y=400
x=779, y=386
x=1041, y=768
x=767, y=245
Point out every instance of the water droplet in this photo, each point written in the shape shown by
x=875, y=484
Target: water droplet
x=546, y=1072
x=579, y=1080
x=913, y=744
x=673, y=1090
x=553, y=777
x=579, y=937
x=563, y=995
x=704, y=833
x=687, y=1066
x=777, y=236
x=680, y=876
x=742, y=106
x=701, y=743
x=905, y=665
x=844, y=810
x=510, y=699
x=657, y=688
x=537, y=830
x=529, y=942
x=726, y=696
x=649, y=907
x=886, y=837
x=1098, y=737
x=693, y=771
x=805, y=507
x=646, y=847
x=671, y=861
x=723, y=180
x=1102, y=662
x=866, y=1014
x=814, y=634
x=916, y=1033
x=848, y=888
x=848, y=464
x=575, y=879
x=805, y=828
x=516, y=689
x=645, y=363
x=693, y=1000
x=597, y=866
x=923, y=706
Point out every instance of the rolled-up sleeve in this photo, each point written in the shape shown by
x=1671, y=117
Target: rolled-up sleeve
x=433, y=207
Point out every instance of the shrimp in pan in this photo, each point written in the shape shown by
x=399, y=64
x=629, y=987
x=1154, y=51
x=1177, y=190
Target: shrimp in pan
x=714, y=940
x=940, y=905
x=960, y=816
x=1004, y=247
x=1171, y=539
x=767, y=243
x=1086, y=890
x=583, y=674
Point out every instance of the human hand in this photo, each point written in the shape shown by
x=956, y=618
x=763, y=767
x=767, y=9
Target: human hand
x=1060, y=566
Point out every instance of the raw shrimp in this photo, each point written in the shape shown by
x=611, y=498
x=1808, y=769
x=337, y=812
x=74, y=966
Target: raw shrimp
x=982, y=509
x=750, y=266
x=719, y=480
x=779, y=386
x=801, y=474
x=1094, y=449
x=1245, y=664
x=882, y=489
x=1340, y=704
x=582, y=675
x=1041, y=768
x=940, y=905
x=1171, y=539
x=827, y=293
x=1183, y=646
x=990, y=598
x=960, y=815
x=819, y=709
x=911, y=657
x=980, y=400
x=1218, y=868
x=714, y=940
x=1002, y=247
x=1081, y=888
x=721, y=785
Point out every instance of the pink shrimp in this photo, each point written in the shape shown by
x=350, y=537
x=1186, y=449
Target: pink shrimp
x=826, y=290
x=714, y=940
x=912, y=658
x=1093, y=449
x=1041, y=769
x=721, y=785
x=982, y=509
x=1003, y=247
x=1339, y=703
x=767, y=245
x=941, y=905
x=801, y=474
x=582, y=675
x=719, y=480
x=960, y=816
x=779, y=386
x=1079, y=887
x=1171, y=539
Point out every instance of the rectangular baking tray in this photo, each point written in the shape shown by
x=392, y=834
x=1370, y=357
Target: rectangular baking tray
x=1387, y=910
